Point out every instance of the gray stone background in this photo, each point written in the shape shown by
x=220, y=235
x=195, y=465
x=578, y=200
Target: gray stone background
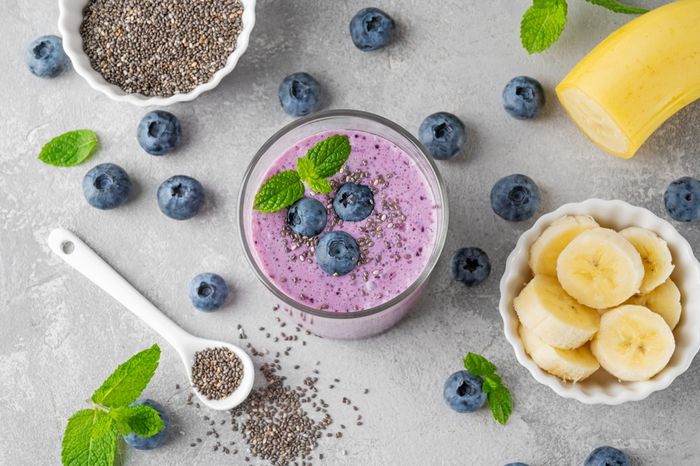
x=61, y=336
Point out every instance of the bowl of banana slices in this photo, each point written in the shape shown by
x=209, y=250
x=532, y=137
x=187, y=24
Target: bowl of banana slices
x=601, y=302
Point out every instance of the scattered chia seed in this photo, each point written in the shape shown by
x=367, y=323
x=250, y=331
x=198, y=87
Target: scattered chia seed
x=216, y=373
x=279, y=423
x=160, y=47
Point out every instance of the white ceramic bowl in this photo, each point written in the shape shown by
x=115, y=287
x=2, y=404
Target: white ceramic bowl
x=69, y=20
x=601, y=387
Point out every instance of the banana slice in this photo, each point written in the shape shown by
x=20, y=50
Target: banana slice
x=546, y=249
x=656, y=256
x=554, y=316
x=633, y=343
x=600, y=268
x=574, y=365
x=665, y=300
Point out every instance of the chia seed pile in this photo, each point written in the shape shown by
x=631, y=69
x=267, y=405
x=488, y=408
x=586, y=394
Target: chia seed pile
x=280, y=423
x=160, y=47
x=216, y=372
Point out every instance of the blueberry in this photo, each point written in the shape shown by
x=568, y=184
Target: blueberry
x=159, y=132
x=682, y=199
x=523, y=98
x=45, y=57
x=353, y=202
x=463, y=392
x=300, y=94
x=515, y=198
x=516, y=464
x=307, y=217
x=607, y=456
x=470, y=266
x=208, y=292
x=443, y=134
x=149, y=443
x=106, y=186
x=337, y=253
x=371, y=29
x=180, y=197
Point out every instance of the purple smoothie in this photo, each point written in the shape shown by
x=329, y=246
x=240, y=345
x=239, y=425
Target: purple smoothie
x=396, y=239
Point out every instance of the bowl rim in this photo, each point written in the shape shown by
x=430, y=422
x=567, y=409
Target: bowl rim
x=440, y=237
x=520, y=252
x=73, y=46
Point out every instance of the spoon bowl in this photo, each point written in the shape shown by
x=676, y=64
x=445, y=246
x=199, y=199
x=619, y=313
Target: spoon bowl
x=187, y=351
x=78, y=255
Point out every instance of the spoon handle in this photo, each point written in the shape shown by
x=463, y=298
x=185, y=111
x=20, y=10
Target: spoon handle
x=77, y=254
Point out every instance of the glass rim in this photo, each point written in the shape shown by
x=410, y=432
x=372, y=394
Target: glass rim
x=440, y=238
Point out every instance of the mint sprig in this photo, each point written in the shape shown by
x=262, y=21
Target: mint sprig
x=69, y=149
x=321, y=162
x=92, y=435
x=544, y=21
x=497, y=395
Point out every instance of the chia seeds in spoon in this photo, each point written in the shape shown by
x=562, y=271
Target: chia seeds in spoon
x=160, y=47
x=216, y=372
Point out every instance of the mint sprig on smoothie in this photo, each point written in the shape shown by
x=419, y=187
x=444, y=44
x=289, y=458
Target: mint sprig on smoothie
x=321, y=162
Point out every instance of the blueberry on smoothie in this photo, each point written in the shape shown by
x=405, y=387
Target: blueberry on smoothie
x=208, y=292
x=180, y=197
x=149, y=443
x=516, y=464
x=607, y=456
x=337, y=253
x=682, y=199
x=106, y=186
x=159, y=132
x=371, y=29
x=307, y=217
x=353, y=202
x=515, y=198
x=523, y=98
x=470, y=266
x=46, y=58
x=443, y=134
x=300, y=94
x=463, y=393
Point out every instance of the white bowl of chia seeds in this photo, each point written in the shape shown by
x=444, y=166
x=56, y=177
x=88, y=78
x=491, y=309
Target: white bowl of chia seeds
x=155, y=52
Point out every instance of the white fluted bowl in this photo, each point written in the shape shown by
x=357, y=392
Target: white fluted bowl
x=69, y=20
x=601, y=387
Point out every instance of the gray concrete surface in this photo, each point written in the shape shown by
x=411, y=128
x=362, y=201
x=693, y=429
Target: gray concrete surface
x=61, y=336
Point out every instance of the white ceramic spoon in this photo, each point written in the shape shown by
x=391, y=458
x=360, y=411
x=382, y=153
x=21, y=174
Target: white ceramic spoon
x=79, y=255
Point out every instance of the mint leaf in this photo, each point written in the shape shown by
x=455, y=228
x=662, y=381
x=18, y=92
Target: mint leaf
x=69, y=149
x=90, y=439
x=478, y=365
x=320, y=185
x=279, y=191
x=542, y=24
x=125, y=385
x=501, y=403
x=329, y=155
x=143, y=420
x=617, y=7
